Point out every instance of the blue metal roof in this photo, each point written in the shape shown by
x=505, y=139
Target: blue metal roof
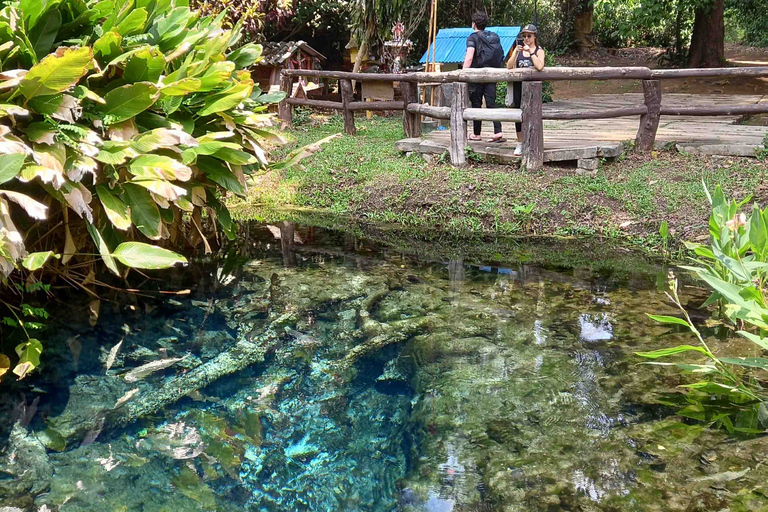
x=451, y=43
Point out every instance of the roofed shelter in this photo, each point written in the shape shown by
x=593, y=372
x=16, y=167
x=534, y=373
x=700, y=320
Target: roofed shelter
x=285, y=55
x=451, y=45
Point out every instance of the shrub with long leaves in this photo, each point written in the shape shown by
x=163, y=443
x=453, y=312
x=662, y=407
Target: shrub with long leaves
x=125, y=122
x=735, y=267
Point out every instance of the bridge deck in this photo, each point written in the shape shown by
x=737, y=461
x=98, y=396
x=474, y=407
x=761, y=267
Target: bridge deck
x=722, y=134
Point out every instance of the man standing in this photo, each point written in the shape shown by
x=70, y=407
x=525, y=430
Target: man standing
x=483, y=51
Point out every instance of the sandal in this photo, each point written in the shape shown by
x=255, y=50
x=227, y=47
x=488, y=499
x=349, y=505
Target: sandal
x=475, y=137
x=499, y=140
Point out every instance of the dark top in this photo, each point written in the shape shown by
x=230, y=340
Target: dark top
x=488, y=50
x=525, y=62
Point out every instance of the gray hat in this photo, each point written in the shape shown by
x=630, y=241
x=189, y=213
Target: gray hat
x=529, y=28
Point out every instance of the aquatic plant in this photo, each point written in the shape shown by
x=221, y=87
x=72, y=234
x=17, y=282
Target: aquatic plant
x=735, y=267
x=139, y=117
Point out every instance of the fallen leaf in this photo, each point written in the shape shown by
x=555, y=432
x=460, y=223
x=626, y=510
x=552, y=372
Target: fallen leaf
x=113, y=354
x=127, y=396
x=144, y=370
x=75, y=347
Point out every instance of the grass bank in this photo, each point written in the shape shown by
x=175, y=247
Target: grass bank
x=365, y=177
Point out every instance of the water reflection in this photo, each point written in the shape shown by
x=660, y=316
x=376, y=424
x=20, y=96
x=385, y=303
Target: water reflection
x=388, y=383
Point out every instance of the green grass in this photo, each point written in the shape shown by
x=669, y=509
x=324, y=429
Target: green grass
x=365, y=176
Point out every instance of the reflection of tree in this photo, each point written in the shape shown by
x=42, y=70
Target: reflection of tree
x=287, y=243
x=456, y=275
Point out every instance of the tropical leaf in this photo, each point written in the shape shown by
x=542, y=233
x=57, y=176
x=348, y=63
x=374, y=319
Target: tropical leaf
x=43, y=34
x=162, y=138
x=36, y=260
x=144, y=213
x=117, y=211
x=218, y=172
x=33, y=208
x=5, y=365
x=145, y=66
x=226, y=100
x=103, y=248
x=57, y=72
x=750, y=362
x=133, y=23
x=246, y=55
x=159, y=167
x=669, y=320
x=181, y=87
x=125, y=102
x=29, y=357
x=107, y=47
x=664, y=352
x=275, y=97
x=141, y=255
x=10, y=165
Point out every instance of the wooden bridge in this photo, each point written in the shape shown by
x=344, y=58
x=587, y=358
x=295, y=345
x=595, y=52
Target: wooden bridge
x=582, y=130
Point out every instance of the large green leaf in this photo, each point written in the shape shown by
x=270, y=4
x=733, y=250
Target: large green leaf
x=36, y=260
x=758, y=234
x=43, y=34
x=141, y=255
x=144, y=66
x=217, y=171
x=47, y=104
x=29, y=357
x=750, y=362
x=181, y=87
x=103, y=248
x=144, y=212
x=754, y=338
x=669, y=320
x=57, y=72
x=117, y=211
x=235, y=156
x=670, y=351
x=245, y=55
x=10, y=165
x=172, y=25
x=226, y=100
x=127, y=101
x=133, y=23
x=107, y=47
x=159, y=167
x=216, y=75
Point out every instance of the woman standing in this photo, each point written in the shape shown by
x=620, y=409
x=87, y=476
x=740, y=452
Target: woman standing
x=527, y=54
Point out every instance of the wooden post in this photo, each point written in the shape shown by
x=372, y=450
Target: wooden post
x=649, y=123
x=346, y=99
x=533, y=128
x=285, y=112
x=411, y=121
x=459, y=102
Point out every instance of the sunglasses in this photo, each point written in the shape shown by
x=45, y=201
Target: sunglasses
x=527, y=35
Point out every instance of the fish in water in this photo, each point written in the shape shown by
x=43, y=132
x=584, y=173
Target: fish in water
x=304, y=339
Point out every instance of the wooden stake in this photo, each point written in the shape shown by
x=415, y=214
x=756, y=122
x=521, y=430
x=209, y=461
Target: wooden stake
x=285, y=112
x=533, y=128
x=649, y=123
x=459, y=102
x=346, y=99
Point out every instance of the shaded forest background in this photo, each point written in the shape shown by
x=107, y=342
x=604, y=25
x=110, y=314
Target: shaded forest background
x=692, y=32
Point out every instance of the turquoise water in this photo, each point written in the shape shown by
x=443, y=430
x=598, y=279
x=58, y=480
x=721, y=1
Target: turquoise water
x=316, y=370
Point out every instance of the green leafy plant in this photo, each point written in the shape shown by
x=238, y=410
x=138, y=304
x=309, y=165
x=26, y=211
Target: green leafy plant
x=128, y=120
x=664, y=232
x=735, y=267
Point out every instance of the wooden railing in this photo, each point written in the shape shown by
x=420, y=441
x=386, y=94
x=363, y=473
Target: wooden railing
x=530, y=114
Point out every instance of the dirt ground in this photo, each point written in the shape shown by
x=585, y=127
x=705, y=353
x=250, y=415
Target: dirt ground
x=736, y=55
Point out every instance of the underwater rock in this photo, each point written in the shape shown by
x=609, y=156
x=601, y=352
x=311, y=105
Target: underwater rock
x=24, y=469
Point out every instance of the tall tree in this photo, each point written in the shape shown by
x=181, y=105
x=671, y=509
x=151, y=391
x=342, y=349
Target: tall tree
x=708, y=39
x=576, y=25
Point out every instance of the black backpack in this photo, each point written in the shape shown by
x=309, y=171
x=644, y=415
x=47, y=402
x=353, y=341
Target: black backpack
x=488, y=52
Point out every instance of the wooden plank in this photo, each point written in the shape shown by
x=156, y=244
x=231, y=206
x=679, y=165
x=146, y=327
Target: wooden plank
x=344, y=75
x=705, y=72
x=649, y=123
x=378, y=90
x=533, y=130
x=377, y=105
x=594, y=114
x=487, y=75
x=428, y=110
x=346, y=99
x=714, y=110
x=493, y=114
x=459, y=102
x=315, y=103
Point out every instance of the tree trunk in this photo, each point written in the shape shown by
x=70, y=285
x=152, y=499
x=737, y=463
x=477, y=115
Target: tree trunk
x=708, y=40
x=576, y=25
